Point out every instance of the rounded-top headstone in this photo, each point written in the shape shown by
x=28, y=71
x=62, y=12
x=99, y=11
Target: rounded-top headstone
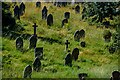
x=68, y=59
x=82, y=33
x=38, y=4
x=64, y=21
x=19, y=43
x=33, y=41
x=77, y=35
x=83, y=44
x=115, y=75
x=36, y=64
x=75, y=53
x=27, y=71
x=67, y=15
x=50, y=20
x=44, y=12
x=39, y=52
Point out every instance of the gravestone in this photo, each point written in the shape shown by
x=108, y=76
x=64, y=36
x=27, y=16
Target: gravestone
x=75, y=53
x=64, y=21
x=67, y=15
x=38, y=4
x=77, y=9
x=115, y=75
x=17, y=12
x=82, y=33
x=77, y=35
x=50, y=20
x=44, y=12
x=35, y=28
x=27, y=72
x=82, y=76
x=33, y=41
x=83, y=44
x=36, y=64
x=39, y=52
x=67, y=43
x=22, y=8
x=68, y=60
x=19, y=43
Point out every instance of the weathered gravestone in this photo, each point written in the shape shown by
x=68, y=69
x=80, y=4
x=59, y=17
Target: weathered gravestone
x=82, y=76
x=50, y=20
x=33, y=41
x=44, y=12
x=64, y=21
x=77, y=9
x=115, y=75
x=82, y=33
x=35, y=28
x=17, y=12
x=83, y=44
x=67, y=15
x=75, y=53
x=67, y=43
x=22, y=8
x=27, y=72
x=79, y=34
x=39, y=52
x=38, y=4
x=19, y=43
x=68, y=60
x=36, y=64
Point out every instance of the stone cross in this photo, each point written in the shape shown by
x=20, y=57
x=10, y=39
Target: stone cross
x=35, y=28
x=67, y=44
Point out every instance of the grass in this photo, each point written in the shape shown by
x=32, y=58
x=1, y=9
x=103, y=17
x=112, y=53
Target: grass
x=94, y=59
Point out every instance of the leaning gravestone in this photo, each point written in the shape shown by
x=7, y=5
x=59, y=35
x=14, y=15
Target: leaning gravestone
x=75, y=53
x=17, y=12
x=36, y=64
x=22, y=8
x=68, y=60
x=38, y=4
x=44, y=12
x=77, y=9
x=64, y=21
x=67, y=15
x=19, y=43
x=115, y=75
x=39, y=52
x=33, y=41
x=50, y=20
x=27, y=72
x=77, y=35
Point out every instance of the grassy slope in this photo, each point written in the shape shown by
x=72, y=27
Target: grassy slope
x=97, y=62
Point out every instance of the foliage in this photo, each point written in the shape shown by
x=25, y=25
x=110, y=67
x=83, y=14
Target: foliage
x=99, y=11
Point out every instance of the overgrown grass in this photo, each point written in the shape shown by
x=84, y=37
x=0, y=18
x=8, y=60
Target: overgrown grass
x=94, y=59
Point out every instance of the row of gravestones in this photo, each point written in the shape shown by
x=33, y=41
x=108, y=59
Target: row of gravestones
x=38, y=51
x=50, y=16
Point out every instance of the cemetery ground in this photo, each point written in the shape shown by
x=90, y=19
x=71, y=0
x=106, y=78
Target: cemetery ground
x=94, y=59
